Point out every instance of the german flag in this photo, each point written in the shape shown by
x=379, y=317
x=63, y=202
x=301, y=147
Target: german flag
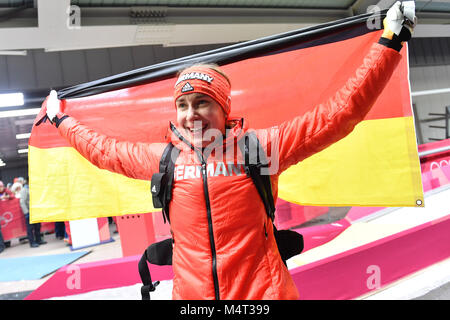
x=273, y=80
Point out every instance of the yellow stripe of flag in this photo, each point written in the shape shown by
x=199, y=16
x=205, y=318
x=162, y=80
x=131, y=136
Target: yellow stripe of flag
x=369, y=166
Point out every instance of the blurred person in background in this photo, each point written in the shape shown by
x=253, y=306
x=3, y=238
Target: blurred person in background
x=16, y=188
x=60, y=230
x=33, y=229
x=5, y=194
x=2, y=243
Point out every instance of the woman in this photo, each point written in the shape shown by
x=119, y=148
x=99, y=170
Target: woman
x=223, y=248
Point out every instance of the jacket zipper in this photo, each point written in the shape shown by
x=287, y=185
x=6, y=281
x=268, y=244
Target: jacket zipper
x=208, y=211
x=211, y=234
x=265, y=230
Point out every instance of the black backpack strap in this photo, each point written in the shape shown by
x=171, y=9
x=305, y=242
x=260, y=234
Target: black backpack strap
x=170, y=159
x=144, y=272
x=289, y=243
x=255, y=159
x=159, y=253
x=162, y=182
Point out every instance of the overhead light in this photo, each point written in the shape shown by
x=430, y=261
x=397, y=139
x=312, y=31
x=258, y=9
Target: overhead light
x=428, y=92
x=13, y=52
x=23, y=150
x=11, y=99
x=23, y=122
x=23, y=135
x=18, y=113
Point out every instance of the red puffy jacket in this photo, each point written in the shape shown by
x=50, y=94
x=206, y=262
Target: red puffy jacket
x=223, y=245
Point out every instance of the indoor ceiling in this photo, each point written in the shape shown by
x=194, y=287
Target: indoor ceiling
x=58, y=43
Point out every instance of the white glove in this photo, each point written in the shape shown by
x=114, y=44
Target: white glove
x=398, y=16
x=53, y=105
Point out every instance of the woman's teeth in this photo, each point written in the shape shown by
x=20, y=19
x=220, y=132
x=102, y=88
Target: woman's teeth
x=196, y=130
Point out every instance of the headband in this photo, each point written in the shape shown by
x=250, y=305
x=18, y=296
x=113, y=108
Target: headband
x=199, y=79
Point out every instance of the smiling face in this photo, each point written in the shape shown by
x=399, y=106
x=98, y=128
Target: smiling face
x=200, y=117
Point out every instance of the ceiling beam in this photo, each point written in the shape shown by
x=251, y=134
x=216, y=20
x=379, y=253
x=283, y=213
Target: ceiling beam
x=133, y=26
x=173, y=26
x=432, y=31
